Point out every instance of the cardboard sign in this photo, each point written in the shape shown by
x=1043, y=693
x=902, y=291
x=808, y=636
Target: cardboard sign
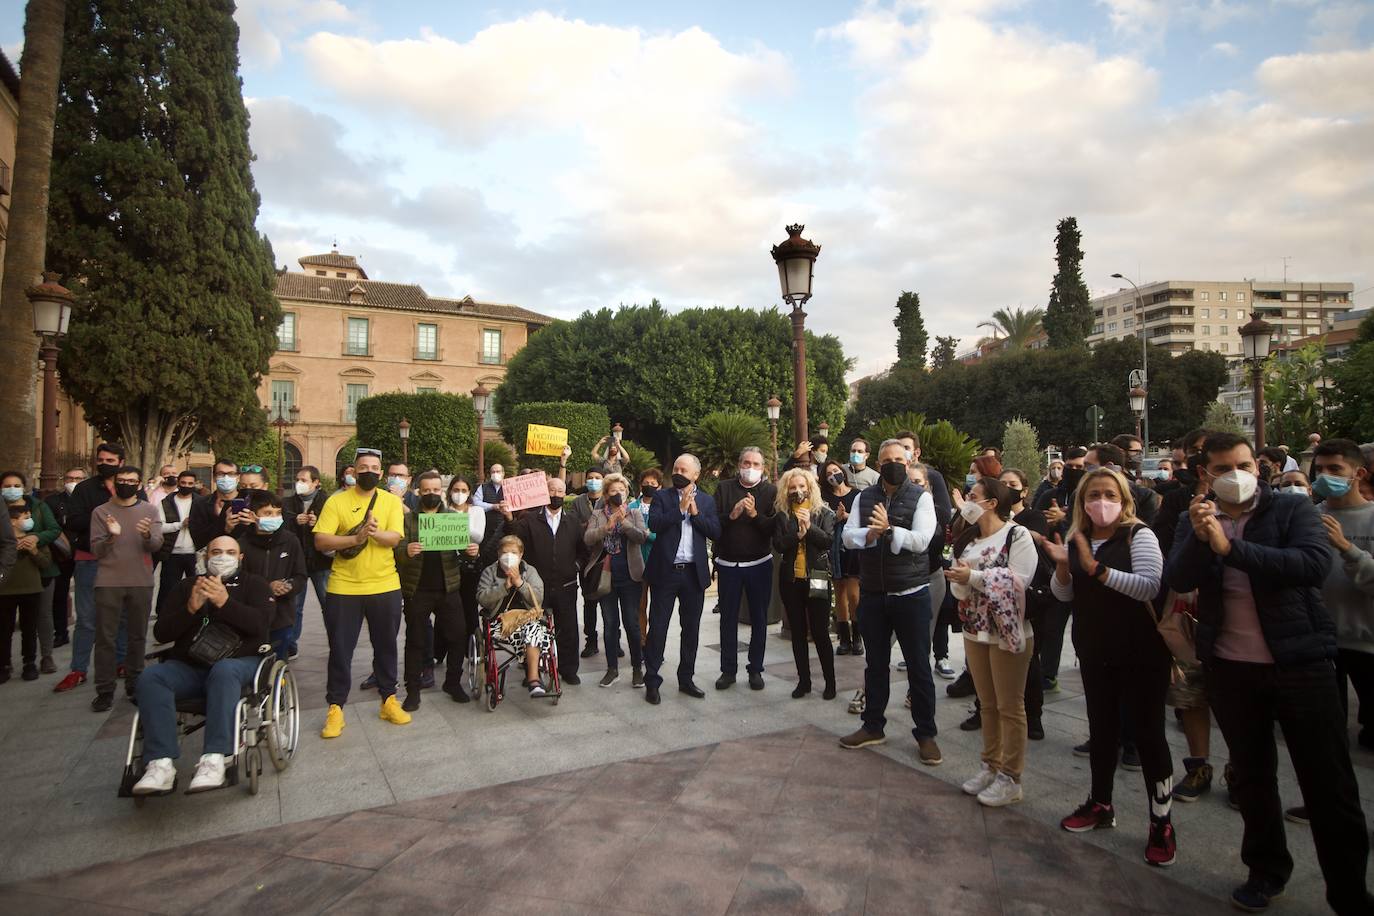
x=526, y=491
x=545, y=440
x=443, y=530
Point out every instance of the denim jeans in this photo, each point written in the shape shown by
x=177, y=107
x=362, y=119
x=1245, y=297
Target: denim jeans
x=83, y=637
x=162, y=685
x=908, y=617
x=754, y=584
x=319, y=579
x=622, y=605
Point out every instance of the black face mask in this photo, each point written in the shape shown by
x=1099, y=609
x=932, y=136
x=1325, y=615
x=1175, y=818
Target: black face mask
x=893, y=473
x=367, y=480
x=1072, y=477
x=106, y=471
x=185, y=491
x=169, y=482
x=126, y=490
x=835, y=479
x=680, y=482
x=615, y=499
x=797, y=498
x=555, y=502
x=430, y=501
x=647, y=492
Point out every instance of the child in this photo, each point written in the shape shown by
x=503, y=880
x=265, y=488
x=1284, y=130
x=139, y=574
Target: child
x=21, y=595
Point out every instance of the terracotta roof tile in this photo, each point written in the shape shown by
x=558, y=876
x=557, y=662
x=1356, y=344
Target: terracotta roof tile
x=334, y=259
x=407, y=297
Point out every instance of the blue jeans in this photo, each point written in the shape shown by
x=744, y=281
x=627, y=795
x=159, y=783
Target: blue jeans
x=755, y=583
x=684, y=588
x=83, y=637
x=162, y=685
x=908, y=617
x=319, y=579
x=622, y=604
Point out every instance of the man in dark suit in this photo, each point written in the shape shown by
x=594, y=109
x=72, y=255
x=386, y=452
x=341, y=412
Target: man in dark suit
x=678, y=569
x=554, y=547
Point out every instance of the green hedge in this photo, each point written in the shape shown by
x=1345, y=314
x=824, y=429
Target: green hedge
x=441, y=427
x=585, y=423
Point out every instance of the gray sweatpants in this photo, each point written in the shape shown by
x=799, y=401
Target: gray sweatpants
x=110, y=603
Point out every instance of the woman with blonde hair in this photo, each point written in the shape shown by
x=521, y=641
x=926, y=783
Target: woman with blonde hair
x=1110, y=570
x=509, y=585
x=803, y=532
x=615, y=533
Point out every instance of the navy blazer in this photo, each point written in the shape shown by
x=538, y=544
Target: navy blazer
x=665, y=520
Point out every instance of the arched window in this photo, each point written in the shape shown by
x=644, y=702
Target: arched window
x=291, y=465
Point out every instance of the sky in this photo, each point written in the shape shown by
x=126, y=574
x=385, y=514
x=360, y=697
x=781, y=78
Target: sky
x=569, y=157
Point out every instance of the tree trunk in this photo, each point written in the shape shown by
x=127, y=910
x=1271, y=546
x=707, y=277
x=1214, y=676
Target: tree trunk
x=152, y=437
x=40, y=71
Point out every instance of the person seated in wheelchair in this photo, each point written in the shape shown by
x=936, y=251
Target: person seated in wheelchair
x=225, y=595
x=510, y=594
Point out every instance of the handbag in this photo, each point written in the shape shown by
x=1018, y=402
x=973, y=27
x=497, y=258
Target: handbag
x=213, y=642
x=599, y=583
x=349, y=553
x=1178, y=626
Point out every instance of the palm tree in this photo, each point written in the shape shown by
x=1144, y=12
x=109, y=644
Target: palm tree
x=1017, y=326
x=721, y=435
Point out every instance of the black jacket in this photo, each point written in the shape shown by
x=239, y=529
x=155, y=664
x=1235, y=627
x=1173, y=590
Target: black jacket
x=276, y=556
x=558, y=559
x=249, y=611
x=207, y=521
x=299, y=505
x=89, y=495
x=1284, y=551
x=744, y=538
x=819, y=538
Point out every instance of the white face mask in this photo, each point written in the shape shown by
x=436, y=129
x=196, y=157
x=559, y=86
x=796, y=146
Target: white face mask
x=459, y=498
x=1235, y=487
x=750, y=476
x=510, y=560
x=497, y=476
x=304, y=488
x=69, y=486
x=1294, y=489
x=909, y=455
x=971, y=512
x=222, y=565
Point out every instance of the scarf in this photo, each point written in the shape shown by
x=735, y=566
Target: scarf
x=612, y=542
x=1000, y=608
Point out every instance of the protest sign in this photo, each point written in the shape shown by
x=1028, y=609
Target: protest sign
x=443, y=530
x=526, y=491
x=545, y=440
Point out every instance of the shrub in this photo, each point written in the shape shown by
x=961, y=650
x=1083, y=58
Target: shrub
x=441, y=426
x=721, y=435
x=1021, y=448
x=585, y=423
x=494, y=451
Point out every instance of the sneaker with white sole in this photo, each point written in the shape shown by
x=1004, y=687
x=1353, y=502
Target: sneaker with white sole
x=159, y=778
x=1003, y=791
x=610, y=677
x=856, y=705
x=944, y=669
x=209, y=774
x=986, y=777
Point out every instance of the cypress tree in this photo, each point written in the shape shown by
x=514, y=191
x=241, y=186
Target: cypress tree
x=152, y=222
x=911, y=332
x=1069, y=315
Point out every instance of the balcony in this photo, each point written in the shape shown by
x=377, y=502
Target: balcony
x=350, y=349
x=431, y=354
x=491, y=359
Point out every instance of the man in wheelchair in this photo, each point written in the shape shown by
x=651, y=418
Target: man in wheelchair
x=227, y=596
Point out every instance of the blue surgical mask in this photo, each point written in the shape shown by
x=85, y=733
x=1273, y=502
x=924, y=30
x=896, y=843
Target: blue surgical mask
x=350, y=480
x=12, y=494
x=593, y=486
x=26, y=525
x=857, y=458
x=1327, y=486
x=396, y=482
x=970, y=480
x=270, y=523
x=226, y=484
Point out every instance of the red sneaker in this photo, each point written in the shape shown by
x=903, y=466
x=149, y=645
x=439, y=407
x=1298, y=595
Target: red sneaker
x=1089, y=816
x=1162, y=847
x=73, y=680
x=121, y=671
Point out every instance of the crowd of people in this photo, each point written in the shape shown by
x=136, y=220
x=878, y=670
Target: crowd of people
x=1226, y=582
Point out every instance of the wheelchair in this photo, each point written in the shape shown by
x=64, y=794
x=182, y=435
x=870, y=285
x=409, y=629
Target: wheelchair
x=500, y=654
x=267, y=713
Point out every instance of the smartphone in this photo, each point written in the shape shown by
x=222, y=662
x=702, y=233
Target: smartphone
x=238, y=505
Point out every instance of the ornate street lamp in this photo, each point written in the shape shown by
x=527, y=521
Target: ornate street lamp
x=1144, y=358
x=52, y=311
x=281, y=416
x=481, y=397
x=1138, y=398
x=796, y=260
x=774, y=407
x=1255, y=338
x=824, y=430
x=404, y=429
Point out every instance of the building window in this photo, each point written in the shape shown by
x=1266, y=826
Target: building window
x=1290, y=297
x=321, y=273
x=283, y=393
x=426, y=390
x=1111, y=310
x=1097, y=329
x=352, y=395
x=341, y=275
x=426, y=341
x=491, y=347
x=1240, y=297
x=1204, y=313
x=1206, y=329
x=1111, y=327
x=1221, y=296
x=286, y=331
x=489, y=419
x=1204, y=295
x=357, y=337
x=1128, y=322
x=1221, y=314
x=1205, y=345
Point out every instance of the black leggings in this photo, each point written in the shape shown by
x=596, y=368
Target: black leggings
x=1108, y=689
x=801, y=612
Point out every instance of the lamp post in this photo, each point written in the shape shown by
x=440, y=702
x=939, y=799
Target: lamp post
x=1255, y=338
x=796, y=260
x=52, y=310
x=1144, y=361
x=404, y=429
x=281, y=416
x=774, y=407
x=824, y=430
x=480, y=398
x=1138, y=399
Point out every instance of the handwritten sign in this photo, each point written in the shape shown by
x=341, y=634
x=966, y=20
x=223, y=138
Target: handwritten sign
x=526, y=491
x=545, y=440
x=443, y=530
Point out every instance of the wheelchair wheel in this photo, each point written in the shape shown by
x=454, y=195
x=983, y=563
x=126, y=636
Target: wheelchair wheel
x=492, y=698
x=253, y=760
x=475, y=674
x=284, y=721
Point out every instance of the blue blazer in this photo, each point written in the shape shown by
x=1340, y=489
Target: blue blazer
x=665, y=521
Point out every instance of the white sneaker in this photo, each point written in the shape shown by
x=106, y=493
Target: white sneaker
x=986, y=777
x=159, y=777
x=209, y=774
x=856, y=705
x=1003, y=791
x=945, y=670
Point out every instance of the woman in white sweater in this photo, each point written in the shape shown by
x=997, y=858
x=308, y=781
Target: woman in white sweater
x=995, y=561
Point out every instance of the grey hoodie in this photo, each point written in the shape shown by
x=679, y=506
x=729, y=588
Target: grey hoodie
x=1349, y=588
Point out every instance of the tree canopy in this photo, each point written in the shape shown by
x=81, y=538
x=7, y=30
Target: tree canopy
x=911, y=332
x=946, y=349
x=1069, y=313
x=1017, y=326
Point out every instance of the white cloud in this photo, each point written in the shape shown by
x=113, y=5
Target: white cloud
x=265, y=24
x=1334, y=83
x=1226, y=49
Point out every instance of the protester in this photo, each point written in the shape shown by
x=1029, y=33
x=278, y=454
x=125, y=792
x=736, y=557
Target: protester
x=227, y=595
x=488, y=495
x=1054, y=473
x=1107, y=455
x=840, y=496
x=804, y=531
x=744, y=565
x=213, y=515
x=1110, y=569
x=858, y=475
x=1294, y=483
x=510, y=584
x=178, y=553
x=650, y=482
x=302, y=510
x=553, y=545
x=36, y=537
x=613, y=461
x=270, y=551
x=364, y=586
x=9, y=547
x=679, y=571
x=1268, y=643
x=891, y=528
x=125, y=534
x=60, y=504
x=581, y=510
x=1051, y=504
x=348, y=477
x=163, y=485
x=21, y=590
x=398, y=485
x=480, y=552
x=615, y=535
x=252, y=477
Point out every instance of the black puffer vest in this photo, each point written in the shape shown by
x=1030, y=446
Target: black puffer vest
x=880, y=570
x=1110, y=628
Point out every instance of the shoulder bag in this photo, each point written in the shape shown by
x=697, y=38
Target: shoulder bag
x=349, y=553
x=214, y=641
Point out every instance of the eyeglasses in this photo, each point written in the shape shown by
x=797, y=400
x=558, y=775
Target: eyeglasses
x=250, y=469
x=374, y=452
x=73, y=478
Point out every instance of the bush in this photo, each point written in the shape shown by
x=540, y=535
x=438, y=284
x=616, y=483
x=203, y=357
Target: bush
x=494, y=451
x=1021, y=448
x=721, y=435
x=441, y=426
x=585, y=423
x=637, y=458
x=345, y=454
x=942, y=446
x=261, y=451
x=1222, y=419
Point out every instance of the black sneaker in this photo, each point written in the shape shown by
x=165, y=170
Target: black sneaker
x=1254, y=895
x=412, y=701
x=962, y=686
x=1193, y=786
x=1130, y=758
x=590, y=650
x=1298, y=815
x=610, y=677
x=103, y=702
x=1228, y=776
x=973, y=723
x=1035, y=730
x=427, y=678
x=369, y=683
x=458, y=694
x=571, y=679
x=1083, y=750
x=30, y=673
x=637, y=677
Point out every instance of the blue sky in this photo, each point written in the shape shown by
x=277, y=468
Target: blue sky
x=565, y=157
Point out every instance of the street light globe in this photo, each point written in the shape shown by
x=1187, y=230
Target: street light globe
x=404, y=428
x=1138, y=400
x=52, y=306
x=824, y=429
x=796, y=258
x=773, y=406
x=480, y=398
x=1255, y=338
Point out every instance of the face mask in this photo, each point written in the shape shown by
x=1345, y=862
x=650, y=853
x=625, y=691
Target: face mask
x=226, y=484
x=458, y=497
x=1327, y=486
x=169, y=482
x=1072, y=476
x=909, y=455
x=222, y=565
x=510, y=560
x=26, y=525
x=1293, y=489
x=750, y=476
x=304, y=488
x=858, y=459
x=680, y=482
x=367, y=480
x=970, y=480
x=971, y=512
x=431, y=501
x=497, y=476
x=1016, y=494
x=185, y=491
x=12, y=494
x=893, y=473
x=126, y=490
x=1056, y=473
x=350, y=480
x=1235, y=487
x=1103, y=512
x=797, y=498
x=396, y=483
x=69, y=486
x=594, y=486
x=835, y=479
x=821, y=457
x=616, y=499
x=555, y=502
x=269, y=523
x=106, y=471
x=647, y=492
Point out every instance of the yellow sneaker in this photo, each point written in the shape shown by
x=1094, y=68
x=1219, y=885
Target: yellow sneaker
x=392, y=712
x=333, y=722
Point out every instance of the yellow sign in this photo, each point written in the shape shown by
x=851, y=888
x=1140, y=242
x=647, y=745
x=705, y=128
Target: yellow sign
x=545, y=440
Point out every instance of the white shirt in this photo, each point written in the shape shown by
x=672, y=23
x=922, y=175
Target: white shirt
x=183, y=542
x=477, y=524
x=481, y=503
x=686, y=545
x=913, y=540
x=554, y=519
